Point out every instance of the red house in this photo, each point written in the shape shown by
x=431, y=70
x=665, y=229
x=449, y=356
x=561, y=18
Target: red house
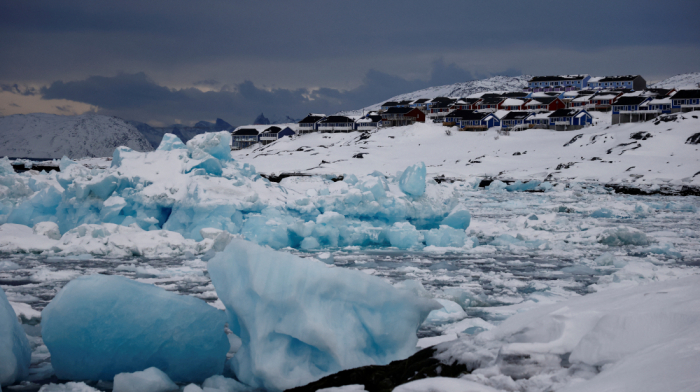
x=544, y=104
x=402, y=116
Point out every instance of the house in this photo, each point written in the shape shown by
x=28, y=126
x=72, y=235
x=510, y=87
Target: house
x=515, y=94
x=395, y=117
x=438, y=111
x=557, y=83
x=569, y=119
x=463, y=103
x=538, y=120
x=627, y=109
x=335, y=124
x=439, y=101
x=244, y=137
x=544, y=104
x=478, y=121
x=274, y=133
x=516, y=120
x=404, y=104
x=369, y=122
x=603, y=102
x=655, y=107
x=309, y=123
x=631, y=82
x=390, y=104
x=661, y=92
x=420, y=103
x=513, y=104
x=685, y=101
x=455, y=116
x=490, y=103
x=582, y=101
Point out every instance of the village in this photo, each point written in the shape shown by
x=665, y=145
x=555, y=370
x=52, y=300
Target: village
x=561, y=103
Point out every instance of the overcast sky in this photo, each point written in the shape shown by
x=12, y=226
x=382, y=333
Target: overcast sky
x=171, y=61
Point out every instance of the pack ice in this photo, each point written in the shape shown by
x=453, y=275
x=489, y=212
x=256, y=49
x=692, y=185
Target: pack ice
x=178, y=190
x=300, y=320
x=98, y=326
x=15, y=354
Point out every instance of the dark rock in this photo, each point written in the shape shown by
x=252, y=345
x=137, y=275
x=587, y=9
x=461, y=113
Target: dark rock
x=640, y=135
x=695, y=139
x=580, y=135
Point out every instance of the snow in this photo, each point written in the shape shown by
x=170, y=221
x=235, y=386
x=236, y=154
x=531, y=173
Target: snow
x=149, y=380
x=96, y=328
x=680, y=82
x=68, y=387
x=442, y=384
x=223, y=384
x=300, y=320
x=47, y=136
x=14, y=347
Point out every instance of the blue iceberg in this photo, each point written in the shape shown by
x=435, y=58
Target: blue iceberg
x=15, y=354
x=99, y=326
x=412, y=181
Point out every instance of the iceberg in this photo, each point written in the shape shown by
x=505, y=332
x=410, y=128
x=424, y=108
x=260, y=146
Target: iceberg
x=99, y=326
x=149, y=380
x=412, y=181
x=171, y=142
x=300, y=319
x=15, y=353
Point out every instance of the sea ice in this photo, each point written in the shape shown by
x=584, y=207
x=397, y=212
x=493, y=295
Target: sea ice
x=148, y=380
x=412, y=181
x=300, y=319
x=443, y=384
x=224, y=384
x=99, y=326
x=15, y=353
x=68, y=387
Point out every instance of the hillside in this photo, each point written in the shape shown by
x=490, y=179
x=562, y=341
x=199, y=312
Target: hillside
x=155, y=134
x=43, y=135
x=636, y=153
x=688, y=80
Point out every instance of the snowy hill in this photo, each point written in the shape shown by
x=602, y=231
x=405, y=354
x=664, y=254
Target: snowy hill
x=634, y=154
x=688, y=80
x=43, y=135
x=463, y=89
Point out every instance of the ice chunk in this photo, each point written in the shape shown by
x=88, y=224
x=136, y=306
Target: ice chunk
x=496, y=185
x=602, y=213
x=412, y=181
x=459, y=218
x=149, y=380
x=300, y=320
x=443, y=384
x=99, y=326
x=68, y=387
x=216, y=144
x=47, y=229
x=224, y=384
x=624, y=236
x=450, y=312
x=6, y=167
x=606, y=258
x=519, y=186
x=171, y=142
x=64, y=163
x=15, y=353
x=404, y=235
x=445, y=236
x=192, y=388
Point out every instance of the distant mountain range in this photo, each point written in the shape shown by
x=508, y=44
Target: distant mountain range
x=155, y=134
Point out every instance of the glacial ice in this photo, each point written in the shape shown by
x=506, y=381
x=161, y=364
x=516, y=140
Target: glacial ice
x=300, y=320
x=15, y=353
x=223, y=384
x=97, y=327
x=148, y=380
x=171, y=142
x=412, y=181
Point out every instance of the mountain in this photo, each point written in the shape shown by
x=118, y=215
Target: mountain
x=462, y=89
x=688, y=80
x=42, y=135
x=261, y=120
x=155, y=134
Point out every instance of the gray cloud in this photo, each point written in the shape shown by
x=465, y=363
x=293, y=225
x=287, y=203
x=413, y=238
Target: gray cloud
x=17, y=89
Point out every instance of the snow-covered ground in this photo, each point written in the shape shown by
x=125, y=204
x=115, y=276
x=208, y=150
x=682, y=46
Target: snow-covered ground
x=41, y=135
x=681, y=81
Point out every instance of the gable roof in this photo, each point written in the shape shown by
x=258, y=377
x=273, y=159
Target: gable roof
x=492, y=100
x=619, y=78
x=422, y=100
x=246, y=132
x=395, y=110
x=337, y=119
x=312, y=118
x=460, y=113
x=541, y=101
x=513, y=102
x=474, y=115
x=272, y=129
x=516, y=115
x=685, y=94
x=564, y=113
x=630, y=100
x=389, y=104
x=557, y=78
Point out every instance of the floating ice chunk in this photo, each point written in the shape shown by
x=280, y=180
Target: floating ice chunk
x=496, y=186
x=224, y=384
x=192, y=388
x=519, y=186
x=602, y=213
x=450, y=312
x=216, y=144
x=99, y=326
x=7, y=265
x=545, y=186
x=666, y=249
x=15, y=353
x=344, y=388
x=16, y=238
x=64, y=163
x=404, y=235
x=6, y=167
x=68, y=387
x=171, y=142
x=300, y=320
x=459, y=218
x=310, y=243
x=606, y=258
x=624, y=236
x=149, y=380
x=47, y=229
x=203, y=163
x=412, y=181
x=443, y=384
x=445, y=236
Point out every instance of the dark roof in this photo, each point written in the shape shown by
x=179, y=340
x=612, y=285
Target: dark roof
x=246, y=132
x=460, y=113
x=516, y=115
x=272, y=129
x=422, y=100
x=545, y=100
x=490, y=95
x=659, y=91
x=492, y=101
x=630, y=100
x=556, y=78
x=564, y=113
x=405, y=102
x=390, y=103
x=337, y=119
x=310, y=119
x=474, y=115
x=586, y=92
x=515, y=94
x=398, y=110
x=620, y=78
x=685, y=94
x=443, y=100
x=374, y=118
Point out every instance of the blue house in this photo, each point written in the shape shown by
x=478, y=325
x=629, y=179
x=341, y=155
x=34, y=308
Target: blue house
x=657, y=106
x=310, y=123
x=516, y=120
x=632, y=82
x=685, y=101
x=244, y=137
x=557, y=83
x=569, y=119
x=478, y=121
x=628, y=109
x=274, y=133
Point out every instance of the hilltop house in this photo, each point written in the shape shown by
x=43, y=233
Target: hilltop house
x=244, y=137
x=335, y=124
x=685, y=101
x=368, y=122
x=557, y=83
x=478, y=121
x=309, y=123
x=490, y=103
x=387, y=105
x=655, y=107
x=395, y=117
x=274, y=133
x=420, y=103
x=569, y=119
x=633, y=82
x=626, y=108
